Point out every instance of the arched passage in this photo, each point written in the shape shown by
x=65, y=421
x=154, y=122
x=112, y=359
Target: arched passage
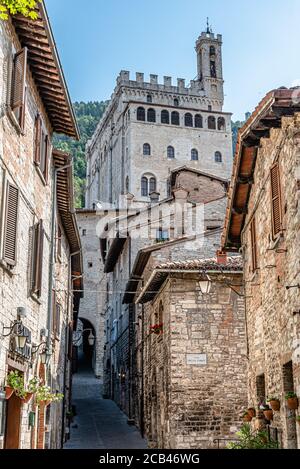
x=86, y=350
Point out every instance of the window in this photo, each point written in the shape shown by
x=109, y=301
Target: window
x=198, y=121
x=11, y=210
x=41, y=148
x=218, y=157
x=144, y=186
x=176, y=102
x=90, y=265
x=146, y=149
x=149, y=98
x=148, y=185
x=161, y=313
x=83, y=232
x=253, y=245
x=188, y=120
x=276, y=201
x=151, y=116
x=140, y=114
x=58, y=242
x=221, y=123
x=210, y=107
x=194, y=155
x=212, y=51
x=152, y=185
x=165, y=117
x=18, y=88
x=127, y=183
x=213, y=70
x=37, y=258
x=171, y=152
x=212, y=123
x=162, y=235
x=56, y=315
x=261, y=389
x=175, y=118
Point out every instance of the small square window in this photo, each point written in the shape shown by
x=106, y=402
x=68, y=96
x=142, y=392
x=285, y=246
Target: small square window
x=90, y=264
x=83, y=232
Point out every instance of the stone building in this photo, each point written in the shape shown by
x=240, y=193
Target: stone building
x=192, y=367
x=148, y=132
x=262, y=222
x=186, y=225
x=40, y=259
x=149, y=129
x=92, y=312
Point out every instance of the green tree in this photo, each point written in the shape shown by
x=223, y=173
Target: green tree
x=26, y=8
x=88, y=116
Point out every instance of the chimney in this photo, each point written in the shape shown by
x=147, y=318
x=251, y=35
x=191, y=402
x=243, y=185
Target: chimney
x=221, y=257
x=154, y=197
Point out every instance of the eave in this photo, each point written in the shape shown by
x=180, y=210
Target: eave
x=45, y=66
x=268, y=115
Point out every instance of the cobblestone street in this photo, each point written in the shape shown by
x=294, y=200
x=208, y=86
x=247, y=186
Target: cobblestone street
x=99, y=423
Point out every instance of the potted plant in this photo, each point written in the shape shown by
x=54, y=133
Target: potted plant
x=247, y=417
x=292, y=400
x=156, y=329
x=274, y=403
x=44, y=396
x=268, y=413
x=252, y=412
x=15, y=383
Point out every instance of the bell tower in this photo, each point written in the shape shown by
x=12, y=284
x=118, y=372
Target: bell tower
x=209, y=61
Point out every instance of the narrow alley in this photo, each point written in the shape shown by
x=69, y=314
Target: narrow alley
x=99, y=423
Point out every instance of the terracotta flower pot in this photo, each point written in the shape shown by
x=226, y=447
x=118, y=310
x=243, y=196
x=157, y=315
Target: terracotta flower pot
x=275, y=405
x=9, y=392
x=292, y=403
x=259, y=424
x=268, y=414
x=252, y=412
x=247, y=418
x=28, y=398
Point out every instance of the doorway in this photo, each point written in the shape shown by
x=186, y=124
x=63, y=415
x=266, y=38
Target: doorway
x=13, y=421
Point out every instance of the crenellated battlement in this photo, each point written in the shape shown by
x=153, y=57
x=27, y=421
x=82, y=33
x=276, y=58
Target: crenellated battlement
x=153, y=84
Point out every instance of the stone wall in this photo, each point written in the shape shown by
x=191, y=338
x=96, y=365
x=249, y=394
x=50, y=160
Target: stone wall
x=272, y=310
x=188, y=406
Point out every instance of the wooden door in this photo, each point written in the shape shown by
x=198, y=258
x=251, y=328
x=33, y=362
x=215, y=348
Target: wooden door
x=13, y=420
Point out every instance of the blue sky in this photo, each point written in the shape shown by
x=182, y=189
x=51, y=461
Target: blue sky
x=98, y=38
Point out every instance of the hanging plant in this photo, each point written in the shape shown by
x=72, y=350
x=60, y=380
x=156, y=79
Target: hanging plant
x=45, y=396
x=156, y=329
x=247, y=417
x=16, y=384
x=274, y=403
x=292, y=400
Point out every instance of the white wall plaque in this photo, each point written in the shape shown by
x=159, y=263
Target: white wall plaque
x=196, y=359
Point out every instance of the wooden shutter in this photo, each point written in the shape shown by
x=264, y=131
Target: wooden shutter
x=37, y=261
x=59, y=241
x=19, y=79
x=10, y=226
x=47, y=157
x=253, y=245
x=276, y=201
x=37, y=140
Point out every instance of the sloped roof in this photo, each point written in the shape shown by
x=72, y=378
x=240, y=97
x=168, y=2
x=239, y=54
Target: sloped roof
x=267, y=115
x=45, y=66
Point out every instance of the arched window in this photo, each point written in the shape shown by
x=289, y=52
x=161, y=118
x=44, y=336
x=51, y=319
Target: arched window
x=144, y=186
x=165, y=117
x=212, y=123
x=171, y=152
x=194, y=155
x=198, y=121
x=218, y=157
x=212, y=51
x=188, y=120
x=175, y=118
x=146, y=149
x=149, y=98
x=140, y=114
x=151, y=116
x=176, y=102
x=152, y=185
x=221, y=123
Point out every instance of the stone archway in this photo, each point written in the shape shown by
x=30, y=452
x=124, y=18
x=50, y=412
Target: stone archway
x=86, y=352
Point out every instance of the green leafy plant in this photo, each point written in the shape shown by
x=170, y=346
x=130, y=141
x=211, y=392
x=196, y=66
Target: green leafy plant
x=44, y=394
x=26, y=8
x=290, y=395
x=16, y=381
x=269, y=399
x=248, y=439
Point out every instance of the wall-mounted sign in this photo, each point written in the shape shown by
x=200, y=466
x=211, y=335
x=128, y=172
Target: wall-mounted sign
x=196, y=359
